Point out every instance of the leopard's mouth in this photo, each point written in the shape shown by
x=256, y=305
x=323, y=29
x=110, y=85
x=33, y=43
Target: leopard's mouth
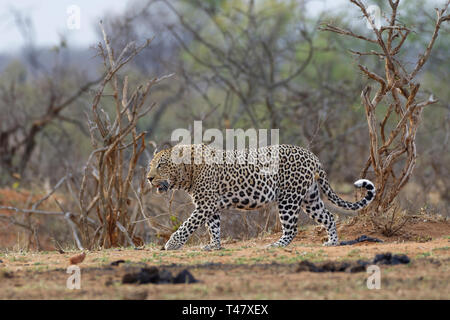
x=162, y=186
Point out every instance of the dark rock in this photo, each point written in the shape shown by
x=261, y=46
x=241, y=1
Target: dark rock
x=307, y=266
x=184, y=277
x=334, y=266
x=165, y=276
x=355, y=268
x=389, y=259
x=6, y=275
x=146, y=275
x=364, y=263
x=153, y=275
x=352, y=267
x=149, y=275
x=382, y=258
x=130, y=278
x=401, y=258
x=360, y=239
x=331, y=266
x=117, y=262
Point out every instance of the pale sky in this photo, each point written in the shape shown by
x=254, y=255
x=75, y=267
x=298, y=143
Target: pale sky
x=49, y=18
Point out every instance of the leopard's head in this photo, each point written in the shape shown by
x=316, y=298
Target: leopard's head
x=170, y=168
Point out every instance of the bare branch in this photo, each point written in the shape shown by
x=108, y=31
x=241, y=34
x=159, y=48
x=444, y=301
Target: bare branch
x=330, y=27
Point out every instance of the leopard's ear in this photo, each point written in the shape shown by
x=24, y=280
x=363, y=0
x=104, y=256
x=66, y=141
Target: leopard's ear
x=164, y=146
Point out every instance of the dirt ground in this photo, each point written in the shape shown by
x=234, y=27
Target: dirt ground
x=242, y=270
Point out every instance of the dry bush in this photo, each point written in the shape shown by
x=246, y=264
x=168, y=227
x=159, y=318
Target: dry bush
x=390, y=221
x=115, y=166
x=102, y=212
x=393, y=129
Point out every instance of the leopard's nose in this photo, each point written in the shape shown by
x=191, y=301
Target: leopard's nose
x=151, y=179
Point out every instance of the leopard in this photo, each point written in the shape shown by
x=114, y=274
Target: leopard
x=248, y=179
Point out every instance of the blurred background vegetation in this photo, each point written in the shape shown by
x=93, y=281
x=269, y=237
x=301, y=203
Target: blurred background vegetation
x=236, y=64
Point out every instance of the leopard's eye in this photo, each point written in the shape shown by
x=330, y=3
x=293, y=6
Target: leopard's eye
x=159, y=165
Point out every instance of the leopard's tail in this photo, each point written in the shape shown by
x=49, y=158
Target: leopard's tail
x=334, y=198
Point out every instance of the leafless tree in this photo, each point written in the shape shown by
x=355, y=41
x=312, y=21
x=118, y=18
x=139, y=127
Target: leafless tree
x=113, y=171
x=393, y=138
x=245, y=60
x=32, y=103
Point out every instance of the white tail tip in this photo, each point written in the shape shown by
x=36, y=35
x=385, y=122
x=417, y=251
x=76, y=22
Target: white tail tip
x=363, y=183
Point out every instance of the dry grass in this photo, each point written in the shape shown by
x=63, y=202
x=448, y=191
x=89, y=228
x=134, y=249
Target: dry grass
x=243, y=270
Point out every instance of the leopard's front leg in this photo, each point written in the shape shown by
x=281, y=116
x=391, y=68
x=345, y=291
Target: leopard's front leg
x=197, y=218
x=213, y=228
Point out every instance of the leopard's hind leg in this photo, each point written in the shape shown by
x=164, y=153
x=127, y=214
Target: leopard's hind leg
x=315, y=208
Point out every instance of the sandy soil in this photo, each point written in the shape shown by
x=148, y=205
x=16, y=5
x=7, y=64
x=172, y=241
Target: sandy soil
x=242, y=270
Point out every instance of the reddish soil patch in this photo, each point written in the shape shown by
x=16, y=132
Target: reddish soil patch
x=417, y=228
x=16, y=237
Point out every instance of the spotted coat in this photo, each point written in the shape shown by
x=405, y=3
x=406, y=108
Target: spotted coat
x=289, y=175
